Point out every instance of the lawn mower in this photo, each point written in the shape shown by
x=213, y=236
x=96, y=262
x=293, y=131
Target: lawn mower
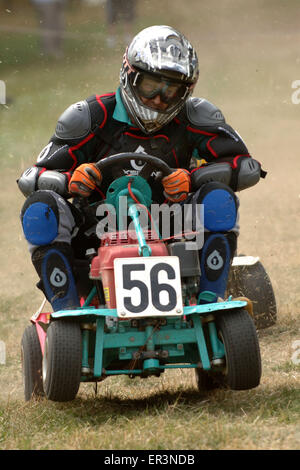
x=144, y=315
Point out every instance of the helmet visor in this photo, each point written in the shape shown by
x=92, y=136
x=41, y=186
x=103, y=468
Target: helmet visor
x=148, y=86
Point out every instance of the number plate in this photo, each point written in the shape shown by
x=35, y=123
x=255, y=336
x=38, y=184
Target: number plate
x=148, y=287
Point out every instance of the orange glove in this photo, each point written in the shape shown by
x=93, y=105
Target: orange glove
x=84, y=180
x=177, y=185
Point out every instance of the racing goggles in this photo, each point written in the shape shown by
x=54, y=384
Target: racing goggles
x=149, y=86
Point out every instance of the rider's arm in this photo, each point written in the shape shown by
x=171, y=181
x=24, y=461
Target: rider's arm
x=226, y=156
x=72, y=144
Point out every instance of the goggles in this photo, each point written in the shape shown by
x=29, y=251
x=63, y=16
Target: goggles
x=149, y=86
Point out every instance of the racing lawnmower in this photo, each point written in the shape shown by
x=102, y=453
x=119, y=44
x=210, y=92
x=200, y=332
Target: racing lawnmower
x=144, y=314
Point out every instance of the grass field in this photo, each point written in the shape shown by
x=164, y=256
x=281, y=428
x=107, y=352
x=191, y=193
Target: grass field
x=249, y=57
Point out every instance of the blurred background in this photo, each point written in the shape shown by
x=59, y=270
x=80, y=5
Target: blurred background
x=249, y=53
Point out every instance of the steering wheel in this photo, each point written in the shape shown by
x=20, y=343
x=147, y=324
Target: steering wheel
x=151, y=163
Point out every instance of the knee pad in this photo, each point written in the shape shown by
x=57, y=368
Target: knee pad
x=215, y=260
x=219, y=206
x=54, y=266
x=40, y=218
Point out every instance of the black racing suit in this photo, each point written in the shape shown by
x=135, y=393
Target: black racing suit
x=190, y=134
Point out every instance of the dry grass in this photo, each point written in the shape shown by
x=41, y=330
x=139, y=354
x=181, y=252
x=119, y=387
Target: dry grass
x=249, y=57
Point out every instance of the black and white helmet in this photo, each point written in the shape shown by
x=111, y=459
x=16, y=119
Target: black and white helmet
x=158, y=61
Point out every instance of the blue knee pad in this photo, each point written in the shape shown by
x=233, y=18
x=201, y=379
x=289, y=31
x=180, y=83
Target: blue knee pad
x=220, y=207
x=40, y=218
x=215, y=259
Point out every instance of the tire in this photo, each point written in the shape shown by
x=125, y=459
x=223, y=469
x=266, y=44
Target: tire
x=254, y=283
x=237, y=331
x=62, y=361
x=31, y=356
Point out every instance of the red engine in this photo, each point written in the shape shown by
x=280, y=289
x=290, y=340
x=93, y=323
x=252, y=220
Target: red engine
x=121, y=244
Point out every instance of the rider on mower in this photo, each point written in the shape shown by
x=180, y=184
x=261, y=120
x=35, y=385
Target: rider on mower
x=152, y=112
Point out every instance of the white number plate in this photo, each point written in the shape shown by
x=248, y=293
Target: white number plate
x=148, y=287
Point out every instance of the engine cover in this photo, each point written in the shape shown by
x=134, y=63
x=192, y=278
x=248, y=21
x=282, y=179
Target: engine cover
x=123, y=244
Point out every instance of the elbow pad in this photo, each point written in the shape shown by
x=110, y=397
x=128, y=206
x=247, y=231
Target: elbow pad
x=54, y=181
x=243, y=175
x=28, y=180
x=248, y=173
x=221, y=172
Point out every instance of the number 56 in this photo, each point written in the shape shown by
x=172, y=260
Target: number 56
x=155, y=288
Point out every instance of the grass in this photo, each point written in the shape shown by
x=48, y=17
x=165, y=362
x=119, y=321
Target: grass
x=248, y=59
x=156, y=417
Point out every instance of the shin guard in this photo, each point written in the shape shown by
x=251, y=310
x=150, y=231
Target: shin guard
x=215, y=260
x=53, y=264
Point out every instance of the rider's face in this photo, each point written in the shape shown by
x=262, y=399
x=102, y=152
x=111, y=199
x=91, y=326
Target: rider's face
x=158, y=92
x=155, y=103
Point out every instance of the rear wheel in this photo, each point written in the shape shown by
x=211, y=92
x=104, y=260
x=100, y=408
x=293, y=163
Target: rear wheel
x=62, y=361
x=31, y=356
x=237, y=331
x=253, y=282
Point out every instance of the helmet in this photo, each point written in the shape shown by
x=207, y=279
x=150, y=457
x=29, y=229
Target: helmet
x=158, y=61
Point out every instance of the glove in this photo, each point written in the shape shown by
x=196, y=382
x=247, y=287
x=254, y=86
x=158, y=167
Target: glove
x=177, y=185
x=84, y=180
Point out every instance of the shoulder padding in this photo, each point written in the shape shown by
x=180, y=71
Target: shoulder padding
x=201, y=112
x=75, y=122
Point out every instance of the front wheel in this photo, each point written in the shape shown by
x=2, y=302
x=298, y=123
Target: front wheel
x=62, y=361
x=237, y=331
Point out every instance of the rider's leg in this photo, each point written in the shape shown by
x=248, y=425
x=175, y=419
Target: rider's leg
x=48, y=224
x=219, y=211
